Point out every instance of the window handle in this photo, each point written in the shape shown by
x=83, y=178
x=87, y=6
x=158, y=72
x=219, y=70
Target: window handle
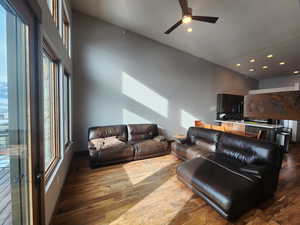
x=38, y=177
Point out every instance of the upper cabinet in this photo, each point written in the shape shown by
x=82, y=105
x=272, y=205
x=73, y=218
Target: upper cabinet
x=278, y=106
x=227, y=103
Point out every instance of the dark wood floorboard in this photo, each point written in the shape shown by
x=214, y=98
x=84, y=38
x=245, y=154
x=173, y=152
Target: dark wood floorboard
x=148, y=192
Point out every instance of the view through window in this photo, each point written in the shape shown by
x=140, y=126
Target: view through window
x=66, y=109
x=50, y=112
x=66, y=31
x=53, y=7
x=14, y=119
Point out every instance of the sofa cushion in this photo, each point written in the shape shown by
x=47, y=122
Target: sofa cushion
x=111, y=154
x=184, y=151
x=205, y=145
x=180, y=150
x=97, y=143
x=226, y=161
x=160, y=138
x=104, y=143
x=228, y=189
x=148, y=148
x=196, y=151
x=247, y=150
x=197, y=133
x=138, y=132
x=119, y=131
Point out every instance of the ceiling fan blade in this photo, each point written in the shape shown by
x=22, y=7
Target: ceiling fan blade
x=184, y=6
x=208, y=19
x=174, y=27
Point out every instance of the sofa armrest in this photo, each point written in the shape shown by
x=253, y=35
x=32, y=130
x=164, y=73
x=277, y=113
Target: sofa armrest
x=91, y=146
x=257, y=170
x=267, y=173
x=180, y=140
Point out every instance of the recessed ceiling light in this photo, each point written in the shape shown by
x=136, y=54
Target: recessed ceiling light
x=282, y=63
x=251, y=70
x=265, y=67
x=252, y=60
x=270, y=56
x=238, y=65
x=189, y=30
x=296, y=72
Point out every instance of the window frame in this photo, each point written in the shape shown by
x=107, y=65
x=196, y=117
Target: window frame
x=67, y=143
x=66, y=29
x=54, y=10
x=55, y=111
x=30, y=12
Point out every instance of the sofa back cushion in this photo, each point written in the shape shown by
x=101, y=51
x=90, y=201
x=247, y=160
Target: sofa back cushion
x=138, y=132
x=120, y=131
x=248, y=150
x=205, y=138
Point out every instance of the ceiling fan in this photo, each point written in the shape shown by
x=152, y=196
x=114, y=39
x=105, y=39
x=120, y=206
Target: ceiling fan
x=187, y=17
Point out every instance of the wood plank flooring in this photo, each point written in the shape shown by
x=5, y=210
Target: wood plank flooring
x=148, y=192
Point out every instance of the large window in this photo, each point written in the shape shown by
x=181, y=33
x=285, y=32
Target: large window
x=15, y=116
x=66, y=109
x=53, y=7
x=66, y=31
x=50, y=111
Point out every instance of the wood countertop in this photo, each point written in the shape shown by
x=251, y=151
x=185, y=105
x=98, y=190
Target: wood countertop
x=252, y=124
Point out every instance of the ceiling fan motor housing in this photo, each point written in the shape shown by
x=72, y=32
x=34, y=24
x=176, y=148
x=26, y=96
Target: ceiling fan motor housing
x=189, y=12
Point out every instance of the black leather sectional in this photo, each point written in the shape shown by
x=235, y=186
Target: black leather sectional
x=232, y=173
x=140, y=142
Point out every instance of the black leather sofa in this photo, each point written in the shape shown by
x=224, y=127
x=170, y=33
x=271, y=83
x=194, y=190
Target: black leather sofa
x=232, y=173
x=141, y=141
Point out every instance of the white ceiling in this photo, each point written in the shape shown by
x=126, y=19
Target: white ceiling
x=246, y=29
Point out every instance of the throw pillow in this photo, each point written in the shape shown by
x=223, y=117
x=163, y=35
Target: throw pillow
x=159, y=138
x=104, y=143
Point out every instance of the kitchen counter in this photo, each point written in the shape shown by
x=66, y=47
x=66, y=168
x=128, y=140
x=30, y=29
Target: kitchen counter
x=252, y=124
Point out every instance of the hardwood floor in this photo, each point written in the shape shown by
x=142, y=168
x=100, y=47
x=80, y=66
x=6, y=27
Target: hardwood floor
x=148, y=192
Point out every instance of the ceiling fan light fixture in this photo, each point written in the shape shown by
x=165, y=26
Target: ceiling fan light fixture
x=186, y=19
x=296, y=72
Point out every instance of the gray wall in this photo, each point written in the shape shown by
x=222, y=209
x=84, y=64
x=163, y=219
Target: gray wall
x=52, y=35
x=121, y=77
x=278, y=82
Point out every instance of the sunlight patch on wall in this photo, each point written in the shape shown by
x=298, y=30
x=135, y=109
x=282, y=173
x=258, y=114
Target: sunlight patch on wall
x=187, y=119
x=144, y=95
x=132, y=118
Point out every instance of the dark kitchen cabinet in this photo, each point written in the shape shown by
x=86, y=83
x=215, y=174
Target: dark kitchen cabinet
x=230, y=103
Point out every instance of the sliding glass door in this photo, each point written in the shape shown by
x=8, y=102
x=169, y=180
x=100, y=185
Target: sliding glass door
x=16, y=151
